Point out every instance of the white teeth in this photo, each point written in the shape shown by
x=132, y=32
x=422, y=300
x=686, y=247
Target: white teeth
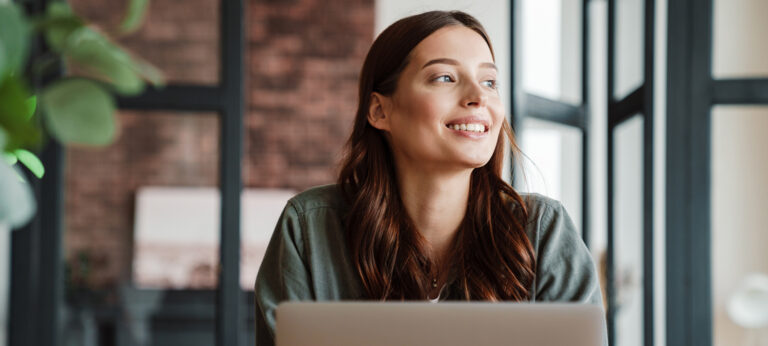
x=468, y=127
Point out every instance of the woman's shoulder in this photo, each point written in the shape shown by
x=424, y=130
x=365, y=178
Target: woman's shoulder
x=318, y=197
x=538, y=205
x=547, y=219
x=565, y=268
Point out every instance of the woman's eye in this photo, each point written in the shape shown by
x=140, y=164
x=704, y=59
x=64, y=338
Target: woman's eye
x=491, y=83
x=443, y=79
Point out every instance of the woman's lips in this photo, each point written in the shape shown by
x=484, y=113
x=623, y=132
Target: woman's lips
x=471, y=131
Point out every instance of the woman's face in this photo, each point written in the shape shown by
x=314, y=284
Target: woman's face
x=446, y=111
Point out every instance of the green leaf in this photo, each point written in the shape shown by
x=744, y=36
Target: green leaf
x=134, y=15
x=21, y=133
x=79, y=111
x=31, y=104
x=17, y=203
x=94, y=54
x=14, y=39
x=99, y=58
x=58, y=9
x=57, y=30
x=31, y=161
x=59, y=22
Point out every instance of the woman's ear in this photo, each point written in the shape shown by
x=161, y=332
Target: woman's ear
x=378, y=111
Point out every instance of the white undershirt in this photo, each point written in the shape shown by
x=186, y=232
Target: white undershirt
x=438, y=295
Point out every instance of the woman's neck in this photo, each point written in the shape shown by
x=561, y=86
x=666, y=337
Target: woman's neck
x=436, y=203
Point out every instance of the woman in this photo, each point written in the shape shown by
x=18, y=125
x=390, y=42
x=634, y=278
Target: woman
x=420, y=211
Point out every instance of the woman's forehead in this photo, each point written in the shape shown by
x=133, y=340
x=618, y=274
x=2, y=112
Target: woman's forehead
x=455, y=42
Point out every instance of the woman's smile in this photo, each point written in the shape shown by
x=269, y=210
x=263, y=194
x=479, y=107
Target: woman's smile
x=470, y=127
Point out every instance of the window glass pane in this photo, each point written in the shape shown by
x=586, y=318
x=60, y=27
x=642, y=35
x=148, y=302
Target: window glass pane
x=180, y=37
x=551, y=49
x=739, y=46
x=739, y=236
x=628, y=47
x=142, y=232
x=628, y=231
x=552, y=165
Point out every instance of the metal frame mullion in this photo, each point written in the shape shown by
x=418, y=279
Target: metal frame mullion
x=516, y=90
x=700, y=178
x=585, y=120
x=740, y=91
x=648, y=168
x=50, y=224
x=229, y=323
x=177, y=97
x=620, y=111
x=678, y=275
x=610, y=288
x=688, y=200
x=542, y=108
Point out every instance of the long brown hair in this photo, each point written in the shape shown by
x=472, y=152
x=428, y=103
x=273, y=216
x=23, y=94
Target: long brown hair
x=492, y=256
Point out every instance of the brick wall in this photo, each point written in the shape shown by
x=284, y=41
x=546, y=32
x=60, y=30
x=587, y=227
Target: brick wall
x=302, y=65
x=304, y=61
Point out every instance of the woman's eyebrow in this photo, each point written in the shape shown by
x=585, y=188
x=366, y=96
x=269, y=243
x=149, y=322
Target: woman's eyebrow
x=489, y=65
x=449, y=61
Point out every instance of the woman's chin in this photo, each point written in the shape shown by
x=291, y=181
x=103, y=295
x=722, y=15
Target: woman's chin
x=476, y=162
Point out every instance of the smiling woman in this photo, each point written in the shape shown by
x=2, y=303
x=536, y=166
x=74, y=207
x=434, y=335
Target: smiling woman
x=445, y=109
x=420, y=211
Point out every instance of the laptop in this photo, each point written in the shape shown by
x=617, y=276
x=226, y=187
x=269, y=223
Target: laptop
x=445, y=324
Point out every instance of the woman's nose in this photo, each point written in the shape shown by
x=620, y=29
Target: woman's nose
x=474, y=96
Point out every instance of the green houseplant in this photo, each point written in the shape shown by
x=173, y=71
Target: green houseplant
x=71, y=109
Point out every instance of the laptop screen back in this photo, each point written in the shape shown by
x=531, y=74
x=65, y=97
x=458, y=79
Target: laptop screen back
x=447, y=324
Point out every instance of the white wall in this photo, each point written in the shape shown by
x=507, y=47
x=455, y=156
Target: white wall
x=739, y=39
x=739, y=162
x=739, y=200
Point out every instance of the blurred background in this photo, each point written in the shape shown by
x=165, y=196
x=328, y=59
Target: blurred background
x=647, y=119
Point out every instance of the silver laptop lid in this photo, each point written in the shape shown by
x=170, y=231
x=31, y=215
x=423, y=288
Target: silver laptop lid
x=447, y=324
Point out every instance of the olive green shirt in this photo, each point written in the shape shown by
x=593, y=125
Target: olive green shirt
x=307, y=258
